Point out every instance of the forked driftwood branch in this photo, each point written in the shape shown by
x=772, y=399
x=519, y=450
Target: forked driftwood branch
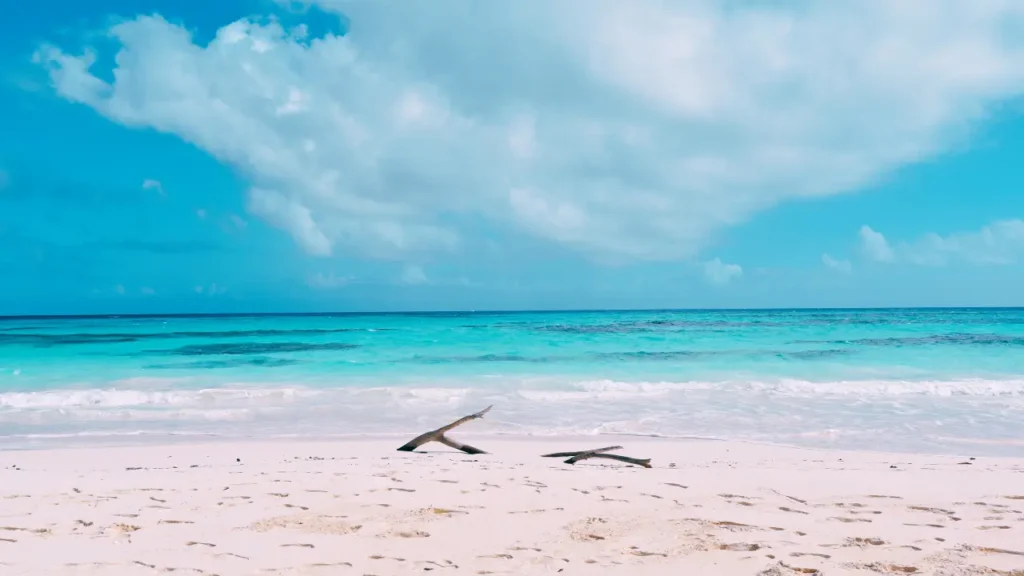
x=439, y=436
x=574, y=457
x=575, y=454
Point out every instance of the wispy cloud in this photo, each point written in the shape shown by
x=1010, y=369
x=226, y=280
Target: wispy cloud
x=999, y=243
x=625, y=130
x=149, y=184
x=843, y=266
x=291, y=215
x=328, y=281
x=718, y=272
x=875, y=246
x=413, y=275
x=212, y=290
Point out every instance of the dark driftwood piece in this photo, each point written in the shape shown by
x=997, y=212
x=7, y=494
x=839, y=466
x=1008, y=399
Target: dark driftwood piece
x=575, y=457
x=572, y=454
x=438, y=436
x=645, y=462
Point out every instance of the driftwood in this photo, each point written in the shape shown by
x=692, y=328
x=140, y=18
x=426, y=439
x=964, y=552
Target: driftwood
x=438, y=436
x=574, y=457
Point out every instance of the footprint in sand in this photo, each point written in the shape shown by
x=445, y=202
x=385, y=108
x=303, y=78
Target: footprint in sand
x=633, y=550
x=787, y=509
x=739, y=547
x=862, y=542
x=989, y=550
x=888, y=568
x=932, y=510
x=814, y=554
x=850, y=520
x=412, y=534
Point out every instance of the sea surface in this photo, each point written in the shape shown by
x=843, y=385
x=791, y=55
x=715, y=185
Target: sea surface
x=935, y=380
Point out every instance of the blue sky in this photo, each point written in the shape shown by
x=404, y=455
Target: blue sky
x=350, y=155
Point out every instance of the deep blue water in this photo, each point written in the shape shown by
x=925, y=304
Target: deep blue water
x=918, y=379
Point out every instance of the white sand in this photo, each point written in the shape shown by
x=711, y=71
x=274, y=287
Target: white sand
x=360, y=507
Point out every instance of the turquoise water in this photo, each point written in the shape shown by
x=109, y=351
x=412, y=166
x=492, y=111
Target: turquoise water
x=937, y=380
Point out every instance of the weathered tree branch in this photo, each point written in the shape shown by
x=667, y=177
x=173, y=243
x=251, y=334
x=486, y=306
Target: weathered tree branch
x=645, y=462
x=571, y=454
x=439, y=436
x=575, y=457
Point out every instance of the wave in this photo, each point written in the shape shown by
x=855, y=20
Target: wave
x=121, y=398
x=9, y=335
x=156, y=392
x=792, y=387
x=873, y=414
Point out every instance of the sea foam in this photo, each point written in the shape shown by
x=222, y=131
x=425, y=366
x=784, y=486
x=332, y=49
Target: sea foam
x=889, y=414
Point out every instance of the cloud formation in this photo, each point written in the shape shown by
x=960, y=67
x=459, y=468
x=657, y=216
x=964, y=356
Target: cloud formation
x=414, y=275
x=999, y=243
x=718, y=272
x=327, y=281
x=626, y=130
x=150, y=184
x=211, y=290
x=843, y=266
x=875, y=246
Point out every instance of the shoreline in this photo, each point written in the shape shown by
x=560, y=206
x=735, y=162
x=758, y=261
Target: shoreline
x=292, y=506
x=165, y=439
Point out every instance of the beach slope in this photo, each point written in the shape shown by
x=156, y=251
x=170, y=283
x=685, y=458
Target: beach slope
x=359, y=507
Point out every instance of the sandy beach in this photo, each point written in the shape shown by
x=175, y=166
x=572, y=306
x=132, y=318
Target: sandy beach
x=359, y=507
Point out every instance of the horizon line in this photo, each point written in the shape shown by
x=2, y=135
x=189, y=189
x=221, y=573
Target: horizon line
x=112, y=316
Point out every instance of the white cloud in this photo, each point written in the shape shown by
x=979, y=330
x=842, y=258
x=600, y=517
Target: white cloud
x=627, y=130
x=211, y=290
x=719, y=272
x=289, y=214
x=327, y=281
x=414, y=275
x=875, y=246
x=999, y=243
x=843, y=266
x=149, y=184
x=238, y=221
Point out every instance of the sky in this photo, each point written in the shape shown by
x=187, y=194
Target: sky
x=359, y=155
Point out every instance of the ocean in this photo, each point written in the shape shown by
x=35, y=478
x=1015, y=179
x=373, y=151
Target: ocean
x=931, y=380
